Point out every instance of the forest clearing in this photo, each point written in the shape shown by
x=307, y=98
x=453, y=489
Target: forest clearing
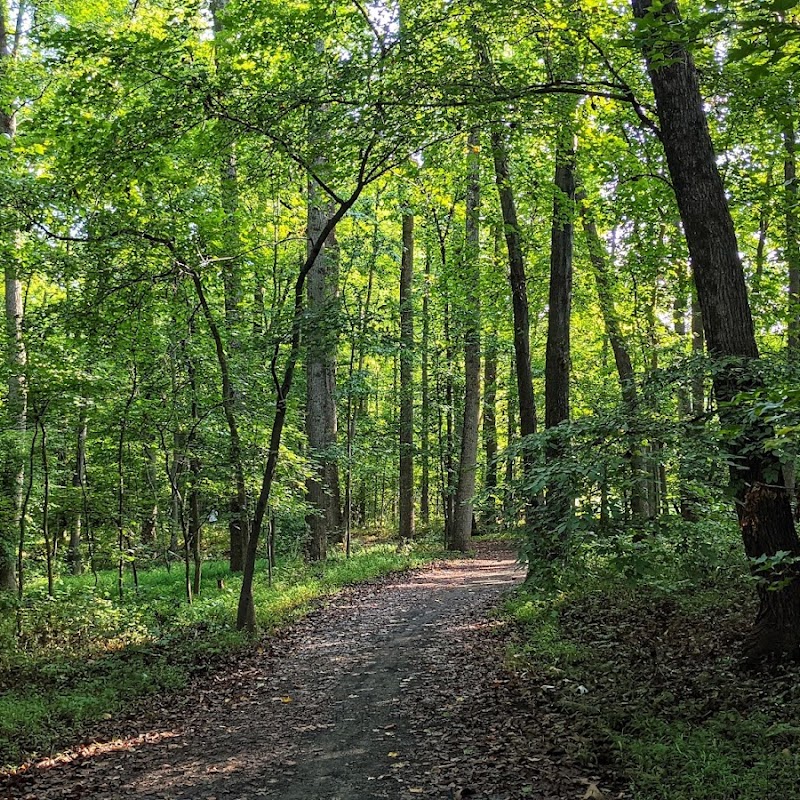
x=438, y=359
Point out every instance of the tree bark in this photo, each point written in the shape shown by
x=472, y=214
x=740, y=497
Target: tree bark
x=74, y=557
x=238, y=527
x=619, y=347
x=762, y=501
x=698, y=350
x=321, y=419
x=557, y=355
x=246, y=611
x=13, y=475
x=688, y=499
x=605, y=297
x=792, y=228
x=463, y=503
x=425, y=483
x=232, y=292
x=557, y=364
x=519, y=287
x=407, y=381
x=13, y=467
x=490, y=425
x=511, y=434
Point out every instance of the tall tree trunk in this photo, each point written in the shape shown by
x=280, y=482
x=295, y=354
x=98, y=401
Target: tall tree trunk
x=698, y=350
x=605, y=297
x=557, y=357
x=557, y=365
x=425, y=483
x=763, y=230
x=232, y=290
x=650, y=452
x=238, y=527
x=619, y=346
x=680, y=308
x=321, y=423
x=13, y=475
x=762, y=502
x=407, y=381
x=792, y=226
x=490, y=425
x=122, y=551
x=13, y=458
x=49, y=542
x=519, y=287
x=449, y=441
x=511, y=435
x=792, y=255
x=688, y=499
x=246, y=611
x=195, y=525
x=78, y=480
x=463, y=503
x=356, y=410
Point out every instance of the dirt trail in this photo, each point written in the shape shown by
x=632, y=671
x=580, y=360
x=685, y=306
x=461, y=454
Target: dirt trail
x=391, y=691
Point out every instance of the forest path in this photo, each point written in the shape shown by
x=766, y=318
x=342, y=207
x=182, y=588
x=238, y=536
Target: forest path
x=393, y=690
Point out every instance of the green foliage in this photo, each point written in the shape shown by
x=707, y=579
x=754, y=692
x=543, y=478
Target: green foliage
x=729, y=755
x=154, y=144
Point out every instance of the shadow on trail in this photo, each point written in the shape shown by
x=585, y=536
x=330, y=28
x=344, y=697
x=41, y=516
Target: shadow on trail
x=391, y=691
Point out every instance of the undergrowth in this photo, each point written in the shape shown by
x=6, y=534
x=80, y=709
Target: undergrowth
x=636, y=645
x=82, y=655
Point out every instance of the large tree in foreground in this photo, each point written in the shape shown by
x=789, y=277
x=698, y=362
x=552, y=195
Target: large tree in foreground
x=762, y=502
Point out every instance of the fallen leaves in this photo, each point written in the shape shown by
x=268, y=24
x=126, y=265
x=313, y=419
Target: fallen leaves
x=593, y=792
x=414, y=664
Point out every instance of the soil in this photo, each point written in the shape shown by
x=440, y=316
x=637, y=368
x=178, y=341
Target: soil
x=392, y=690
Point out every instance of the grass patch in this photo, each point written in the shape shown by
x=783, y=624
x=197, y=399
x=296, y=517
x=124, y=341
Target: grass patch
x=83, y=655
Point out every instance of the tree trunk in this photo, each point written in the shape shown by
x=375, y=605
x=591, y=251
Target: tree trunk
x=557, y=358
x=13, y=457
x=425, y=483
x=490, y=426
x=232, y=291
x=688, y=499
x=511, y=435
x=619, y=347
x=698, y=350
x=78, y=480
x=762, y=501
x=560, y=298
x=195, y=525
x=49, y=543
x=321, y=423
x=763, y=230
x=605, y=297
x=407, y=381
x=792, y=249
x=463, y=503
x=238, y=527
x=519, y=287
x=449, y=441
x=246, y=611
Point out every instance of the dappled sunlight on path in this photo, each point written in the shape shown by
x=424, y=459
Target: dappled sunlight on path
x=354, y=702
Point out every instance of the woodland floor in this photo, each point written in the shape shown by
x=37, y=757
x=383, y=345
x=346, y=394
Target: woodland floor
x=391, y=690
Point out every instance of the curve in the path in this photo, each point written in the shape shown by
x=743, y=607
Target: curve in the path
x=391, y=691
